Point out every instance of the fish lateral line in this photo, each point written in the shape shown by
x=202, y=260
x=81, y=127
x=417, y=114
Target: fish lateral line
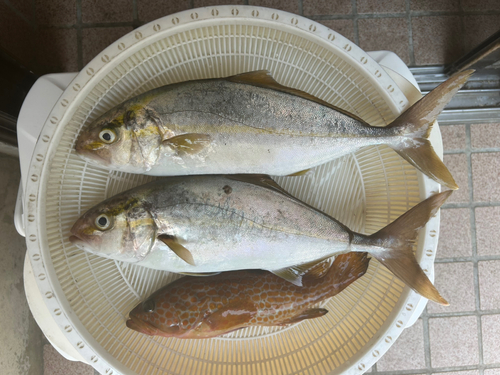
x=268, y=131
x=244, y=218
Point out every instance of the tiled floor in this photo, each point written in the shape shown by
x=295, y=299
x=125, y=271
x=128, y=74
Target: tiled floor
x=465, y=335
x=64, y=35
x=20, y=338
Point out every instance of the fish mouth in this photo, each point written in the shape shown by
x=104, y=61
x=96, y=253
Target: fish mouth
x=77, y=241
x=142, y=326
x=81, y=244
x=87, y=151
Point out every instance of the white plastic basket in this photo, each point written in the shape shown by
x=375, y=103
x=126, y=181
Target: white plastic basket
x=89, y=297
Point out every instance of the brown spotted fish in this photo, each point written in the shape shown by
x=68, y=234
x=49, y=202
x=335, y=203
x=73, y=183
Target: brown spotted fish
x=203, y=307
x=250, y=123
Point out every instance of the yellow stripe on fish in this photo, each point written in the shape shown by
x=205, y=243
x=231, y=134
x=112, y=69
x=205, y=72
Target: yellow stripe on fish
x=252, y=124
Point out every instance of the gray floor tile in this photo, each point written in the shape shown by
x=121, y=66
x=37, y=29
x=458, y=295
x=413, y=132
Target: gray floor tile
x=321, y=7
x=457, y=165
x=95, y=40
x=454, y=341
x=56, y=50
x=455, y=282
x=206, y=3
x=107, y=11
x=407, y=353
x=489, y=284
x=490, y=325
x=453, y=137
x=487, y=233
x=486, y=176
x=446, y=35
x=385, y=34
x=55, y=364
x=454, y=233
x=20, y=338
x=485, y=135
x=435, y=5
x=343, y=27
x=374, y=6
x=55, y=13
x=292, y=6
x=16, y=35
x=149, y=10
x=481, y=5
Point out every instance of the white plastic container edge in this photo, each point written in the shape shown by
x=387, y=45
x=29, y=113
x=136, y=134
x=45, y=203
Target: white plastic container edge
x=43, y=153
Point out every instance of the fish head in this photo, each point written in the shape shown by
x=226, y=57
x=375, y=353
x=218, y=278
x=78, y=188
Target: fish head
x=197, y=307
x=119, y=228
x=128, y=137
x=154, y=318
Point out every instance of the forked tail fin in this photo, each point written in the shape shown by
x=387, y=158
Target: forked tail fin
x=416, y=124
x=392, y=246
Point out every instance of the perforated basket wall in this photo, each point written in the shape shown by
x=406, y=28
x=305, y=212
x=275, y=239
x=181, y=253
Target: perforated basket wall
x=89, y=297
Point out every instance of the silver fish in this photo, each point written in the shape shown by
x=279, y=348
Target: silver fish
x=209, y=224
x=250, y=123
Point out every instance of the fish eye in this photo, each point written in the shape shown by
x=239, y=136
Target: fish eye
x=149, y=305
x=107, y=136
x=102, y=222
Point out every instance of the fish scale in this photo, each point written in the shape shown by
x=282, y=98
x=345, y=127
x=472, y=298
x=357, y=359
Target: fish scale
x=188, y=225
x=250, y=123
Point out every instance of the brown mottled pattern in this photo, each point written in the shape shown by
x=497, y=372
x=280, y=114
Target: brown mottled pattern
x=201, y=307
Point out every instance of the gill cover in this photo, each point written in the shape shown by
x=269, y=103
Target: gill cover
x=144, y=127
x=140, y=232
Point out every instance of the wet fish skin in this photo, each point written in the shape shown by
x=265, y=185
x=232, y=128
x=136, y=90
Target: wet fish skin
x=209, y=224
x=194, y=307
x=251, y=124
x=226, y=224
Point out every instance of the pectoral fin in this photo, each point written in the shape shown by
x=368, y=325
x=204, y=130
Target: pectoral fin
x=311, y=270
x=231, y=316
x=189, y=144
x=202, y=274
x=299, y=173
x=177, y=248
x=308, y=314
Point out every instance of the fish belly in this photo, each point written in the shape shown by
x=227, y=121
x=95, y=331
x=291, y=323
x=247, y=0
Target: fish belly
x=228, y=224
x=253, y=252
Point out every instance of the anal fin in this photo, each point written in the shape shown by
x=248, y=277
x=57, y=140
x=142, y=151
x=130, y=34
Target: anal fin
x=308, y=314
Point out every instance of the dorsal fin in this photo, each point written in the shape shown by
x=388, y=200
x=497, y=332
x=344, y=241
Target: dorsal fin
x=267, y=182
x=262, y=180
x=264, y=78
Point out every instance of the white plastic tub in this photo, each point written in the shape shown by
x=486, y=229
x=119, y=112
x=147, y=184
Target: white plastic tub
x=89, y=297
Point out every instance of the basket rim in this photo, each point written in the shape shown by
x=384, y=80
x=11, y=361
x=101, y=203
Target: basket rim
x=105, y=61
